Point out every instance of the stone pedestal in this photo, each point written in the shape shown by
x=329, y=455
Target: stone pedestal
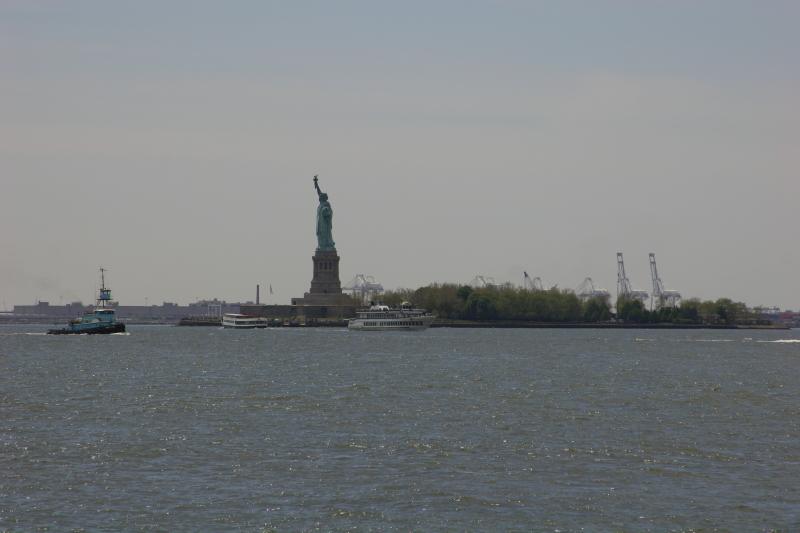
x=326, y=273
x=325, y=298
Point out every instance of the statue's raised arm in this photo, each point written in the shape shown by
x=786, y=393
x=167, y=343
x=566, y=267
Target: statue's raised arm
x=316, y=185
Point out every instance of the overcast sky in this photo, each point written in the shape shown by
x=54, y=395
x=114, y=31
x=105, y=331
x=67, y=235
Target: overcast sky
x=174, y=144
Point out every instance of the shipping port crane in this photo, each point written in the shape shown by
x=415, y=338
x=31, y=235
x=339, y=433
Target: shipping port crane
x=482, y=282
x=587, y=291
x=364, y=288
x=624, y=289
x=531, y=284
x=661, y=297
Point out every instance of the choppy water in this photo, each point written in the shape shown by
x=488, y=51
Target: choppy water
x=198, y=429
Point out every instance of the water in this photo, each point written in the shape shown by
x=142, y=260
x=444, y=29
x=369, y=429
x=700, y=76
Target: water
x=202, y=429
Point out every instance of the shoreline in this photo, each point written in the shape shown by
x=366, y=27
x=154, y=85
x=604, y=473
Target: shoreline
x=511, y=324
x=442, y=323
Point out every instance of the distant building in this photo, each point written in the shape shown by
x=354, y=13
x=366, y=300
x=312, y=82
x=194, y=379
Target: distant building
x=45, y=310
x=775, y=315
x=167, y=311
x=789, y=318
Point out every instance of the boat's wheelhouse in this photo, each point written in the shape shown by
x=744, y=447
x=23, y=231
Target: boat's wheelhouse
x=104, y=315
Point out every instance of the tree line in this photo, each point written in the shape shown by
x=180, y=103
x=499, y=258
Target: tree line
x=723, y=311
x=507, y=302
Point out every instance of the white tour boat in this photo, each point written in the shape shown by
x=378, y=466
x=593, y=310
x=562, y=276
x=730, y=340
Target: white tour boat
x=237, y=321
x=382, y=318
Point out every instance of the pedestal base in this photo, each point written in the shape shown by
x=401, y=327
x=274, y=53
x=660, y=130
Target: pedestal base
x=325, y=299
x=326, y=273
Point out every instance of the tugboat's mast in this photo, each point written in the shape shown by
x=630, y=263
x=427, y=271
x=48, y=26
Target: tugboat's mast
x=105, y=294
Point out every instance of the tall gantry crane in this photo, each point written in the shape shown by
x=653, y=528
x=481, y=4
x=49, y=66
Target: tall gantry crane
x=531, y=284
x=587, y=291
x=661, y=297
x=482, y=282
x=364, y=288
x=624, y=289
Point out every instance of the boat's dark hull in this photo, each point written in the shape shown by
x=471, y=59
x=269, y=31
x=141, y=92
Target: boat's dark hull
x=99, y=330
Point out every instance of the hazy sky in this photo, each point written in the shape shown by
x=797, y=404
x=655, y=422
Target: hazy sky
x=174, y=143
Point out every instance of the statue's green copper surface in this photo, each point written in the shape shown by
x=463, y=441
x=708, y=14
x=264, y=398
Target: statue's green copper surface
x=324, y=221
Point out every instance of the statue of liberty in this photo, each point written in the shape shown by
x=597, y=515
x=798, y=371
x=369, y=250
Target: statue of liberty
x=324, y=221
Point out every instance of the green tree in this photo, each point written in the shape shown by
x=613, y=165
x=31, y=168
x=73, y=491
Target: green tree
x=463, y=292
x=631, y=310
x=481, y=307
x=689, y=311
x=596, y=310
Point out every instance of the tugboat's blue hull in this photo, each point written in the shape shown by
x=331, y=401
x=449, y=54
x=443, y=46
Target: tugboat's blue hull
x=117, y=327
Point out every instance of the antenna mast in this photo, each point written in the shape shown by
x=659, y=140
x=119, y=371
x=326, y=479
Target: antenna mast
x=105, y=294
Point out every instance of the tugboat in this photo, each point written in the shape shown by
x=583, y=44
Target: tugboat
x=101, y=320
